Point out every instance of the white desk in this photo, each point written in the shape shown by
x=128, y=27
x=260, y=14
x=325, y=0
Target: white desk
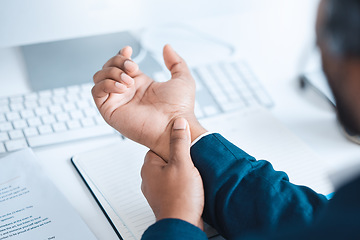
x=272, y=40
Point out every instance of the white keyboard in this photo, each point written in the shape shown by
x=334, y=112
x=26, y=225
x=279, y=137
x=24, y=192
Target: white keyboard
x=224, y=87
x=49, y=117
x=67, y=114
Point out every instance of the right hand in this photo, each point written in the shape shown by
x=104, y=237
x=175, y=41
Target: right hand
x=142, y=109
x=174, y=189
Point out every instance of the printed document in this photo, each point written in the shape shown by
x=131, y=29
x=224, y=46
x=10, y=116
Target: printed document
x=31, y=207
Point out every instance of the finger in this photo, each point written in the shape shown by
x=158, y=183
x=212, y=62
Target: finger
x=180, y=141
x=175, y=63
x=126, y=51
x=151, y=162
x=107, y=86
x=114, y=74
x=125, y=64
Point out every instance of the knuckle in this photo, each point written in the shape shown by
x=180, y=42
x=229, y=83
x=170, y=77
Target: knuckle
x=96, y=75
x=178, y=139
x=113, y=72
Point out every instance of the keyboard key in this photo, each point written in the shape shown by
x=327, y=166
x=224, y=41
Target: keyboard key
x=76, y=114
x=14, y=145
x=48, y=119
x=55, y=109
x=60, y=137
x=4, y=101
x=264, y=98
x=73, y=124
x=99, y=120
x=27, y=114
x=41, y=111
x=69, y=107
x=73, y=89
x=90, y=112
x=12, y=116
x=34, y=122
x=86, y=87
x=59, y=100
x=31, y=105
x=44, y=102
x=72, y=97
x=20, y=124
x=198, y=112
x=29, y=132
x=4, y=109
x=3, y=136
x=2, y=148
x=2, y=117
x=16, y=106
x=59, y=127
x=83, y=104
x=59, y=91
x=5, y=126
x=62, y=117
x=15, y=134
x=45, y=129
x=87, y=122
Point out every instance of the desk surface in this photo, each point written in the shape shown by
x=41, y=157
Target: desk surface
x=272, y=41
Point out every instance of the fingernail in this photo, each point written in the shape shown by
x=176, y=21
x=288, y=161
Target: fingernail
x=119, y=85
x=179, y=124
x=130, y=66
x=127, y=79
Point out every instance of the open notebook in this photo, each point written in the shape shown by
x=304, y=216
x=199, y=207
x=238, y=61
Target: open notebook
x=113, y=173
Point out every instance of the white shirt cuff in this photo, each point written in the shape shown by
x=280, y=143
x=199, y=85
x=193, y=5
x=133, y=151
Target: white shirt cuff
x=200, y=137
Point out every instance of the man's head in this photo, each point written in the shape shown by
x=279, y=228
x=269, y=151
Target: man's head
x=338, y=36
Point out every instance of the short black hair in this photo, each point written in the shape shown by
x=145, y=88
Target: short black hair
x=341, y=28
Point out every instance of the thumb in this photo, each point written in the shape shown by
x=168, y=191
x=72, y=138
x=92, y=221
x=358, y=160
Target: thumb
x=175, y=63
x=180, y=142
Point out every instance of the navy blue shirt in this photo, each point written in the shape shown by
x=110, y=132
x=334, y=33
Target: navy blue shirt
x=248, y=199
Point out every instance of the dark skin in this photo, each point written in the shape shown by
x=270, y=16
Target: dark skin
x=343, y=74
x=146, y=111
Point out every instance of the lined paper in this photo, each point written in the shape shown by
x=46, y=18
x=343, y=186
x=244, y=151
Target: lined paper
x=113, y=173
x=261, y=135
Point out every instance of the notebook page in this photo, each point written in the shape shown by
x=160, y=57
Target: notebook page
x=261, y=135
x=114, y=173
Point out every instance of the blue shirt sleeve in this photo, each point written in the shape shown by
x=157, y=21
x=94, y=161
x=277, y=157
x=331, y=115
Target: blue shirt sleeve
x=174, y=229
x=243, y=194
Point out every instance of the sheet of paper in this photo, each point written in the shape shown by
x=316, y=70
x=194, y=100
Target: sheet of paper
x=261, y=135
x=31, y=207
x=113, y=174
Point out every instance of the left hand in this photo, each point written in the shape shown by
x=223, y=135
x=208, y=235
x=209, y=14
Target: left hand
x=142, y=109
x=174, y=189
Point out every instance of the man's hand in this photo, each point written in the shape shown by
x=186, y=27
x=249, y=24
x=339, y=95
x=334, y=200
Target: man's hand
x=174, y=189
x=142, y=109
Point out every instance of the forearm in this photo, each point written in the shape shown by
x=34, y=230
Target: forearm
x=242, y=194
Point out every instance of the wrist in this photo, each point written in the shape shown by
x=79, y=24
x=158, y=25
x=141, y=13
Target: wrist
x=162, y=145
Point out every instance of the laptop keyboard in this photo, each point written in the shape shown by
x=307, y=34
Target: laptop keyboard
x=66, y=114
